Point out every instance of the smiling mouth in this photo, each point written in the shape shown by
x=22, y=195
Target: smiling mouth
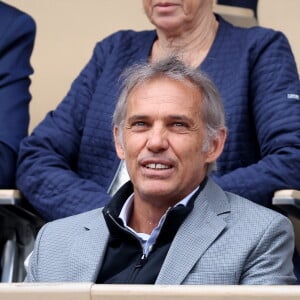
x=154, y=166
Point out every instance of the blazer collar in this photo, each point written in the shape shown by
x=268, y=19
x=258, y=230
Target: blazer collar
x=190, y=243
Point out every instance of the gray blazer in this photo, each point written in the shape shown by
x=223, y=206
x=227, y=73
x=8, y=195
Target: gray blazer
x=226, y=239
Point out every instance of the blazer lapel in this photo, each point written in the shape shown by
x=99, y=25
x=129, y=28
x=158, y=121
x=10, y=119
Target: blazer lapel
x=86, y=264
x=195, y=235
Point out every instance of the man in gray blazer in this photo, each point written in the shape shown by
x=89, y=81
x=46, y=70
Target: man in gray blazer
x=170, y=224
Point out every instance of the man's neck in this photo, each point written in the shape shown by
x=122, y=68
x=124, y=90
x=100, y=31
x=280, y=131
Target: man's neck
x=145, y=216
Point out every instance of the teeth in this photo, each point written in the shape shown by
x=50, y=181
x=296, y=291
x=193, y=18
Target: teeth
x=157, y=166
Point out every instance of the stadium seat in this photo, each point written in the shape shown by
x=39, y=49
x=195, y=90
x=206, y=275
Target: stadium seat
x=19, y=225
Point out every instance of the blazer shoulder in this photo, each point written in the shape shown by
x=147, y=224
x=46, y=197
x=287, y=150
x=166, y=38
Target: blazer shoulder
x=252, y=213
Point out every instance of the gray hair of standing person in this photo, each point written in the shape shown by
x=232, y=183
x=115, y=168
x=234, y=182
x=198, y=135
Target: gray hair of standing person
x=211, y=112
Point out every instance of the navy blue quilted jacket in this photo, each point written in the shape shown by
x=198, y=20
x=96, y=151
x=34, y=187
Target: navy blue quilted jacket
x=17, y=35
x=67, y=165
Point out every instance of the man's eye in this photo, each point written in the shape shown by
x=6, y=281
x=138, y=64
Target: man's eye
x=138, y=124
x=179, y=124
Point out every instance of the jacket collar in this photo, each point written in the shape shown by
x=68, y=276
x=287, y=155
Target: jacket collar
x=190, y=243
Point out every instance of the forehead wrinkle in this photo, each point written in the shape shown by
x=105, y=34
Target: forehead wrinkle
x=152, y=92
x=163, y=99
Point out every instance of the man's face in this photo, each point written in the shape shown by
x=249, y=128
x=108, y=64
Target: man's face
x=162, y=143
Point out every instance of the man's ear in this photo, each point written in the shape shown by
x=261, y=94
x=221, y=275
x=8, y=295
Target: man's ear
x=118, y=143
x=216, y=146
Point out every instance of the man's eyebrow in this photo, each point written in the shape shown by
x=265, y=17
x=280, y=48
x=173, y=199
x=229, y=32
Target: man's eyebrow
x=173, y=117
x=137, y=117
x=180, y=118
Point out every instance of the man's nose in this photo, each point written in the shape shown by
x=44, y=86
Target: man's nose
x=157, y=139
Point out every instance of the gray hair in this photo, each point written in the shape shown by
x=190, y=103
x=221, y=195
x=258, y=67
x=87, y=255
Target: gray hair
x=212, y=112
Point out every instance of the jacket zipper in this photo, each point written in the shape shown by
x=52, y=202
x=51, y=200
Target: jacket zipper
x=139, y=264
x=141, y=260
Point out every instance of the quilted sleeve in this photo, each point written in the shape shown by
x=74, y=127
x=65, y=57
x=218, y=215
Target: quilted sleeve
x=45, y=172
x=17, y=36
x=275, y=106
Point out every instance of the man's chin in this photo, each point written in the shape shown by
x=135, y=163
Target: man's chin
x=157, y=191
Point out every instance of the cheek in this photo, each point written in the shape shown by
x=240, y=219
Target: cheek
x=187, y=144
x=133, y=144
x=147, y=8
x=191, y=9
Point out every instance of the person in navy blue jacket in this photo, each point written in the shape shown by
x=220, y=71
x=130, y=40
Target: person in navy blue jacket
x=69, y=165
x=17, y=34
